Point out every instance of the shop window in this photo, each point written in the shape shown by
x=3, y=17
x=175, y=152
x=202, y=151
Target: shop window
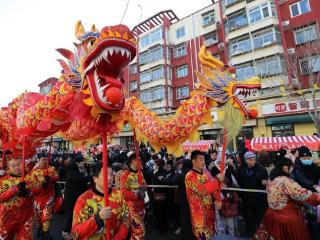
x=282, y=130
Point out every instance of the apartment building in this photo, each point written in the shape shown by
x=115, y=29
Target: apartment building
x=254, y=36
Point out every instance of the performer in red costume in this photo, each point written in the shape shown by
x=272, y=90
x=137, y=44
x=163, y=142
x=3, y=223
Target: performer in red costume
x=90, y=213
x=283, y=219
x=16, y=211
x=200, y=188
x=44, y=201
x=134, y=194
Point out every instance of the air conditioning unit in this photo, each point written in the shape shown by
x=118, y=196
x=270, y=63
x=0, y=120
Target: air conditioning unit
x=291, y=51
x=285, y=23
x=220, y=46
x=295, y=82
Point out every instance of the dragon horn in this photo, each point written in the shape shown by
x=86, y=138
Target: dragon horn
x=79, y=31
x=66, y=53
x=94, y=29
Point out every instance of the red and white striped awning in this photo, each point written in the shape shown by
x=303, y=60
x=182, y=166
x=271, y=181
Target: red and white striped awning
x=202, y=145
x=291, y=142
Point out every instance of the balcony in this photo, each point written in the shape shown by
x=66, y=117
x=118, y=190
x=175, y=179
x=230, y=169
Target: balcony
x=229, y=3
x=271, y=68
x=266, y=40
x=234, y=23
x=238, y=48
x=244, y=73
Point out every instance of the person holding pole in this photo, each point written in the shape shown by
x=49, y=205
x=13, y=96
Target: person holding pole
x=44, y=177
x=200, y=188
x=133, y=190
x=90, y=212
x=16, y=212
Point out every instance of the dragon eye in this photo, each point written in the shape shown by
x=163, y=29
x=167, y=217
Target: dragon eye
x=90, y=43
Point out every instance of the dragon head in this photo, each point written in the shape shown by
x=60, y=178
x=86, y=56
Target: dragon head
x=97, y=64
x=218, y=82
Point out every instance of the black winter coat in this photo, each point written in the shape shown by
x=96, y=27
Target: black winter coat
x=252, y=182
x=306, y=176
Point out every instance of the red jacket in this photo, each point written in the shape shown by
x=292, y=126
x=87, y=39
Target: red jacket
x=200, y=188
x=230, y=204
x=87, y=224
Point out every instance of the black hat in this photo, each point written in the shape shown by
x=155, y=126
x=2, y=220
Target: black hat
x=304, y=152
x=285, y=162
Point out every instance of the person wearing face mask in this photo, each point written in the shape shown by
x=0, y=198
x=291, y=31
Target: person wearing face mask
x=306, y=172
x=284, y=219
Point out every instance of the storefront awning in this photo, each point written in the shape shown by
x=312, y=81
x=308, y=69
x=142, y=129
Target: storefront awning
x=202, y=145
x=291, y=142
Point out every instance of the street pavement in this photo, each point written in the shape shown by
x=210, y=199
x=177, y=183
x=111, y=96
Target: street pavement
x=151, y=234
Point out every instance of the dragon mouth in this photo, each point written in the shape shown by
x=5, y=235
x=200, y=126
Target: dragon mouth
x=103, y=71
x=241, y=92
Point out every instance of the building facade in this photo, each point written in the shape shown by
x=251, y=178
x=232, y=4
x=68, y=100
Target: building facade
x=254, y=36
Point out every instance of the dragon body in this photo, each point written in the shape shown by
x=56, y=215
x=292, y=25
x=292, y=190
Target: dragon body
x=88, y=99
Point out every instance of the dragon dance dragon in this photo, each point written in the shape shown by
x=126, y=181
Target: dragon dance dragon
x=89, y=99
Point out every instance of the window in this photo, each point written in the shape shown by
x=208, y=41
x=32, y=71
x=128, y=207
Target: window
x=156, y=35
x=180, y=50
x=152, y=94
x=217, y=56
x=310, y=64
x=237, y=21
x=282, y=130
x=180, y=32
x=133, y=85
x=183, y=92
x=261, y=11
x=152, y=75
x=152, y=55
x=299, y=8
x=306, y=34
x=244, y=72
x=133, y=68
x=240, y=46
x=269, y=66
x=144, y=41
x=208, y=18
x=210, y=38
x=144, y=58
x=182, y=71
x=265, y=38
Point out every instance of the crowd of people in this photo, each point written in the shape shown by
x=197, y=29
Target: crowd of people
x=278, y=194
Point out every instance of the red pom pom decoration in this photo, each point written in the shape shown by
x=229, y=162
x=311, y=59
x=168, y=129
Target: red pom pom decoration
x=253, y=113
x=114, y=95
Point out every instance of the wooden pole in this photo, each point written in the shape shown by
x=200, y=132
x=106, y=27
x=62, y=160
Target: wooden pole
x=223, y=157
x=49, y=153
x=137, y=157
x=23, y=158
x=105, y=179
x=3, y=165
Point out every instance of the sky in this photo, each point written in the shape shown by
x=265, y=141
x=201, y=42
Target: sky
x=31, y=30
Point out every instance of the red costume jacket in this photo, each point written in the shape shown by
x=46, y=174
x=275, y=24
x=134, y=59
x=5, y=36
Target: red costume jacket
x=16, y=213
x=129, y=186
x=38, y=177
x=199, y=188
x=87, y=224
